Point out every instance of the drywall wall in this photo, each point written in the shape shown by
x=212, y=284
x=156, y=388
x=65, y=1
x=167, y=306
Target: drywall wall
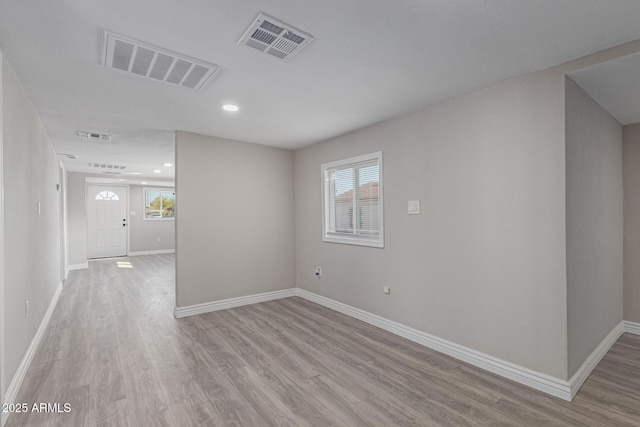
x=234, y=219
x=631, y=158
x=77, y=218
x=64, y=244
x=483, y=264
x=144, y=235
x=2, y=376
x=32, y=266
x=594, y=224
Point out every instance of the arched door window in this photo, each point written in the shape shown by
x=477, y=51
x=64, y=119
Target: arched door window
x=107, y=195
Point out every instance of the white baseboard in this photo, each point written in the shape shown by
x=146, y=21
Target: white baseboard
x=208, y=307
x=78, y=266
x=154, y=252
x=557, y=387
x=18, y=377
x=594, y=358
x=536, y=380
x=631, y=327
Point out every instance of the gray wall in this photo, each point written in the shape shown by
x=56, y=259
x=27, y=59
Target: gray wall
x=32, y=261
x=483, y=264
x=2, y=375
x=594, y=224
x=144, y=234
x=632, y=223
x=235, y=219
x=77, y=218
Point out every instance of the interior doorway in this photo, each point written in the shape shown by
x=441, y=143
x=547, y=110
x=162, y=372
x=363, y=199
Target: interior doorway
x=106, y=221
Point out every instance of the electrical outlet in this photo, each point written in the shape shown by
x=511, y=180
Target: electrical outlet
x=386, y=290
x=26, y=308
x=318, y=272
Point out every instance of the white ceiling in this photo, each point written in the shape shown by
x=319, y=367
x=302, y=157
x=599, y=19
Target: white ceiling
x=370, y=60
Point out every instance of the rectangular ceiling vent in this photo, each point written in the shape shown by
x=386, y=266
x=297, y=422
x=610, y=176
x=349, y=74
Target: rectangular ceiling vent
x=145, y=60
x=94, y=136
x=275, y=38
x=106, y=168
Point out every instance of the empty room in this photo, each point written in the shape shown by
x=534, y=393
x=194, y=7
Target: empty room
x=345, y=213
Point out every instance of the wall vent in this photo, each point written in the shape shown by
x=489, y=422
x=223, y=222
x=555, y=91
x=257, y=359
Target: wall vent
x=275, y=38
x=145, y=60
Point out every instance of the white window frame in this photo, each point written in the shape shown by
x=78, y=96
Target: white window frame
x=376, y=241
x=144, y=203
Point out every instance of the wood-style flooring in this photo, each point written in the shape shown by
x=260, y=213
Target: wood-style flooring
x=114, y=352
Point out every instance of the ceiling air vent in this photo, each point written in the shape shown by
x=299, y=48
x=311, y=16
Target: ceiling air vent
x=94, y=136
x=275, y=38
x=106, y=168
x=143, y=59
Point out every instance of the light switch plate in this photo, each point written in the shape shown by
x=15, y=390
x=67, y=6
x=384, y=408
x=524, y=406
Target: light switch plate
x=413, y=207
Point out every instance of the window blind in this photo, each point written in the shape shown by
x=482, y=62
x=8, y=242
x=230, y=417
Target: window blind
x=353, y=199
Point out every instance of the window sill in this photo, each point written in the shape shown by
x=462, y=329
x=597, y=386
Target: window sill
x=356, y=240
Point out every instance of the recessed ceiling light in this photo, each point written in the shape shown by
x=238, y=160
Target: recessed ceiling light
x=168, y=165
x=144, y=183
x=157, y=171
x=230, y=107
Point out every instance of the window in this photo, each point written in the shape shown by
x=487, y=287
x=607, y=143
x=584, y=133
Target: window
x=352, y=196
x=107, y=195
x=159, y=204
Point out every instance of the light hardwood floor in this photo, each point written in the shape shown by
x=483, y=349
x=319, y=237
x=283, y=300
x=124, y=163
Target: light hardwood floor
x=114, y=352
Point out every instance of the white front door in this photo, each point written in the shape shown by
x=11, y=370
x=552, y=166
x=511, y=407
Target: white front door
x=107, y=221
